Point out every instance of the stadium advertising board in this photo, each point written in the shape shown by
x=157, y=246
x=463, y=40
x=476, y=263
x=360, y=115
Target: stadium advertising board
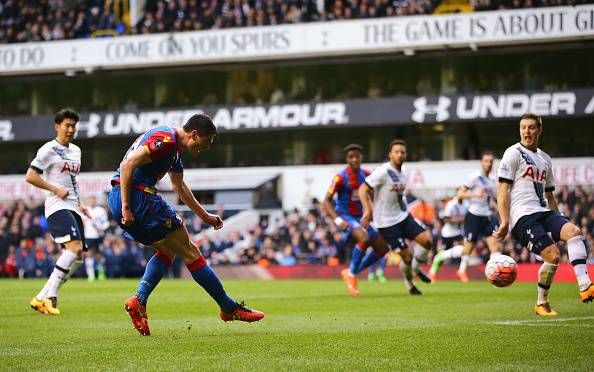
x=357, y=112
x=382, y=35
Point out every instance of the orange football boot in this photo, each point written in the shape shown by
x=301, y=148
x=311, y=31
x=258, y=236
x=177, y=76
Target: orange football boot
x=138, y=315
x=242, y=313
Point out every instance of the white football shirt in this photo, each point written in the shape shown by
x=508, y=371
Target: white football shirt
x=453, y=209
x=97, y=224
x=531, y=175
x=59, y=165
x=481, y=206
x=389, y=205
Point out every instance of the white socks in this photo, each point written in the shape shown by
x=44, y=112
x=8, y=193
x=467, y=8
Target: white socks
x=454, y=252
x=576, y=249
x=464, y=263
x=64, y=264
x=419, y=258
x=90, y=267
x=75, y=265
x=546, y=273
x=406, y=271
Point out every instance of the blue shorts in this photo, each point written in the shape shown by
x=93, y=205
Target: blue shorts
x=65, y=226
x=395, y=235
x=355, y=224
x=449, y=242
x=153, y=217
x=533, y=231
x=479, y=227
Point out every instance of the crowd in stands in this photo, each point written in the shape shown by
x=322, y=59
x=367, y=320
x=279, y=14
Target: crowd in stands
x=28, y=251
x=43, y=20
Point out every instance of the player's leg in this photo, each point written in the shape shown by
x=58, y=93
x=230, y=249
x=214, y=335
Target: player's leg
x=468, y=247
x=546, y=274
x=414, y=230
x=66, y=230
x=349, y=276
x=89, y=259
x=493, y=244
x=531, y=234
x=405, y=267
x=365, y=238
x=577, y=252
x=379, y=272
x=371, y=272
x=453, y=249
x=178, y=242
x=360, y=248
x=395, y=238
x=473, y=226
x=154, y=271
x=380, y=249
x=66, y=265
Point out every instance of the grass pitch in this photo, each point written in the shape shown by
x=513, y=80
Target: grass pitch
x=309, y=325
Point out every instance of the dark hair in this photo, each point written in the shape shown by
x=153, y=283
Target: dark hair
x=395, y=142
x=353, y=146
x=201, y=123
x=487, y=153
x=66, y=114
x=531, y=116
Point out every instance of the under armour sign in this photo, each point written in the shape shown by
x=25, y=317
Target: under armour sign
x=439, y=110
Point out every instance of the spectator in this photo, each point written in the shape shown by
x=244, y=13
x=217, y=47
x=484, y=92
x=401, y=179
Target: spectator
x=292, y=238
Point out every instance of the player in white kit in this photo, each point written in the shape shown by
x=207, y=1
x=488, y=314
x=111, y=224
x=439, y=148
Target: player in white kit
x=528, y=207
x=390, y=214
x=480, y=222
x=94, y=231
x=452, y=232
x=59, y=162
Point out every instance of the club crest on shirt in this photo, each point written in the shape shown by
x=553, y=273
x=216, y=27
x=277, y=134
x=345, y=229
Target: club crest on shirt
x=158, y=144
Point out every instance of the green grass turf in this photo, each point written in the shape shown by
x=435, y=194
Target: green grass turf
x=309, y=325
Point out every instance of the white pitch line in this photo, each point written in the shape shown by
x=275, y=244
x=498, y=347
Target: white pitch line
x=547, y=324
x=530, y=321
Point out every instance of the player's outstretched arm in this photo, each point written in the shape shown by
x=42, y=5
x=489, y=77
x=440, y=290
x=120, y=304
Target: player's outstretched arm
x=133, y=160
x=365, y=197
x=187, y=197
x=35, y=179
x=503, y=207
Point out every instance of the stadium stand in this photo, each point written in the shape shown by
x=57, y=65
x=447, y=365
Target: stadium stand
x=27, y=250
x=44, y=20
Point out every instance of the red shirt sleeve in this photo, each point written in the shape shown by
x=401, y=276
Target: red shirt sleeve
x=337, y=183
x=160, y=145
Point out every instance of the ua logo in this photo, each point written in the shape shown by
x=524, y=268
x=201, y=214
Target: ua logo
x=91, y=126
x=422, y=109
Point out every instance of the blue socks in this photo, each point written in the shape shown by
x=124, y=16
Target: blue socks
x=154, y=271
x=203, y=275
x=356, y=258
x=369, y=259
x=382, y=263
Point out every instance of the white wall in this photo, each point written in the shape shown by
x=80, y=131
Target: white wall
x=298, y=184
